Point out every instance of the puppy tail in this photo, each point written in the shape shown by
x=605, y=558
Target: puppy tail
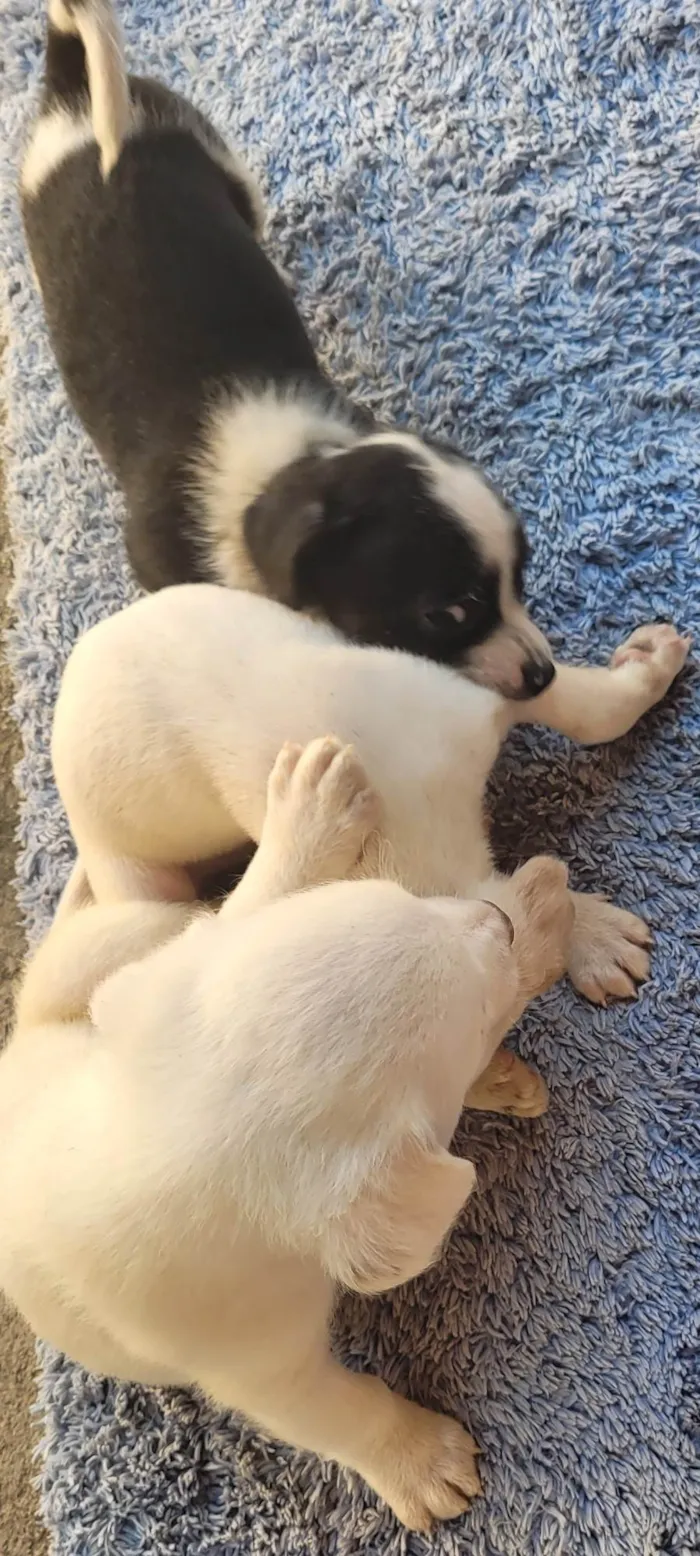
x=85, y=58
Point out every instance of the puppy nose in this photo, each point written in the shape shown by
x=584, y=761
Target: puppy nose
x=537, y=674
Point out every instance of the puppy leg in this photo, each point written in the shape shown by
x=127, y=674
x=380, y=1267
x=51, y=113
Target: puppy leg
x=608, y=948
x=81, y=951
x=421, y=1463
x=320, y=809
x=510, y=1086
x=117, y=879
x=598, y=704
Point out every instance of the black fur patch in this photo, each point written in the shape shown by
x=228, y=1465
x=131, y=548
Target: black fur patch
x=156, y=291
x=158, y=299
x=362, y=538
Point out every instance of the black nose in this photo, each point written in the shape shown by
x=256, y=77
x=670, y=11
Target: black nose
x=537, y=674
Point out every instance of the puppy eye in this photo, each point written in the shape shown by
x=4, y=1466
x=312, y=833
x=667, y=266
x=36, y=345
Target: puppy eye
x=446, y=617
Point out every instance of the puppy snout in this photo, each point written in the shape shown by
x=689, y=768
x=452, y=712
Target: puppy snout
x=537, y=675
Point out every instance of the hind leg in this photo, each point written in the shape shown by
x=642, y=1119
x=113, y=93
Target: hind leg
x=80, y=952
x=119, y=879
x=320, y=808
x=509, y=1086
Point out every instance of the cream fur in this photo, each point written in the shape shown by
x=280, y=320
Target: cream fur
x=170, y=715
x=207, y=1121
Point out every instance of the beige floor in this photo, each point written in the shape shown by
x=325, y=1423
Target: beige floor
x=20, y=1531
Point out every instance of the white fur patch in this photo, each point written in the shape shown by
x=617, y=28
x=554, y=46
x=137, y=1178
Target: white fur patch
x=59, y=133
x=101, y=36
x=113, y=115
x=499, y=661
x=56, y=136
x=246, y=443
x=459, y=487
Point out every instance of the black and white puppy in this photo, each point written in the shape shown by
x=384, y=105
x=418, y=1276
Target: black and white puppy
x=185, y=357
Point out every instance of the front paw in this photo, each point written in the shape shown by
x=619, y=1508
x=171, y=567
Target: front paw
x=657, y=652
x=609, y=952
x=321, y=798
x=429, y=1471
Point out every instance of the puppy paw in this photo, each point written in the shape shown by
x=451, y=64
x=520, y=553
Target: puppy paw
x=609, y=952
x=429, y=1470
x=658, y=652
x=509, y=1086
x=319, y=796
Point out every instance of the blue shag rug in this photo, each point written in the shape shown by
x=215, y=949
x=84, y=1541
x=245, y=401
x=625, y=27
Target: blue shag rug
x=491, y=213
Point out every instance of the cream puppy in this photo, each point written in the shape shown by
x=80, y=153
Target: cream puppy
x=171, y=713
x=208, y=1122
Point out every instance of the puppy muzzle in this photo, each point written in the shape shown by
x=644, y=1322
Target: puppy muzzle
x=515, y=661
x=538, y=674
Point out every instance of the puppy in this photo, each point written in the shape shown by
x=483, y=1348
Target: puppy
x=170, y=715
x=206, y=1127
x=185, y=357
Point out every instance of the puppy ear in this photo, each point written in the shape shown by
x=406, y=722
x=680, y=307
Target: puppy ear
x=396, y=1229
x=281, y=521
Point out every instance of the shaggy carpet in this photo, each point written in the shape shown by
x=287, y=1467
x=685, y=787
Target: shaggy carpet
x=490, y=210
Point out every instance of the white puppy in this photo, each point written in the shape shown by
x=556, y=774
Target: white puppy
x=171, y=713
x=209, y=1121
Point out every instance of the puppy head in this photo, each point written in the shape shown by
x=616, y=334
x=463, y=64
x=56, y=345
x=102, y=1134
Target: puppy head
x=400, y=543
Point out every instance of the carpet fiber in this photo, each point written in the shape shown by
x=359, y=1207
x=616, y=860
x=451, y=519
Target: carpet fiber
x=491, y=213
